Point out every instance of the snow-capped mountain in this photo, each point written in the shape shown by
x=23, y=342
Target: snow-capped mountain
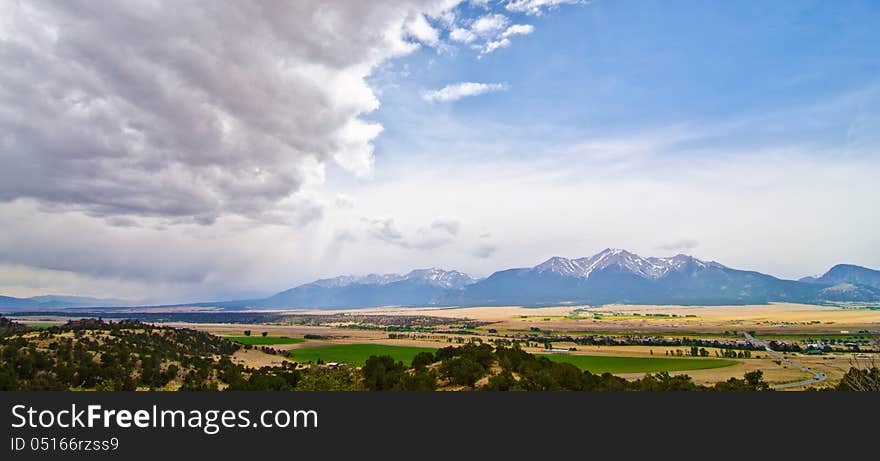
x=610, y=276
x=346, y=280
x=423, y=287
x=447, y=279
x=651, y=268
x=619, y=276
x=438, y=277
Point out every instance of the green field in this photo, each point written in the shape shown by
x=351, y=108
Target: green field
x=264, y=340
x=356, y=354
x=602, y=364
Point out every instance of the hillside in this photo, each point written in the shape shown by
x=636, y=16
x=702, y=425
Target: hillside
x=94, y=355
x=847, y=273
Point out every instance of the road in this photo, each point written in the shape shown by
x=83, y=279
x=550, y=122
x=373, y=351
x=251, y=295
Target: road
x=818, y=376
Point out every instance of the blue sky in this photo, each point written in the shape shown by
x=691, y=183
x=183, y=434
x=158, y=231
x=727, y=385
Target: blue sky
x=622, y=66
x=179, y=163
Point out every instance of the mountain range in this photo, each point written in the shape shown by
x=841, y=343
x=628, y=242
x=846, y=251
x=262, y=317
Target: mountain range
x=60, y=302
x=610, y=276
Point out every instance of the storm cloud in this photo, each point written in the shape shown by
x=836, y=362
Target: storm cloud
x=190, y=110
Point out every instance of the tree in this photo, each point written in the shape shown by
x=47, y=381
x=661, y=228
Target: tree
x=462, y=370
x=752, y=381
x=861, y=378
x=247, y=332
x=425, y=380
x=382, y=373
x=422, y=360
x=264, y=334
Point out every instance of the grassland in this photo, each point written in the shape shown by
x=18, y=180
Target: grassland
x=264, y=340
x=356, y=354
x=602, y=364
x=780, y=321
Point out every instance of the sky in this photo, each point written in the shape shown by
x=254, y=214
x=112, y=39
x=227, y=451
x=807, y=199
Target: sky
x=173, y=152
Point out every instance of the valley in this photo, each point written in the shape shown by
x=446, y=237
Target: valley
x=706, y=343
x=612, y=313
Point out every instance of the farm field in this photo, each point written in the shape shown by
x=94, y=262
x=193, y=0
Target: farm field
x=264, y=340
x=602, y=364
x=356, y=354
x=351, y=341
x=766, y=319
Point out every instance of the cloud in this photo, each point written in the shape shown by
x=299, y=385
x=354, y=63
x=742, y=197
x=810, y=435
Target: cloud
x=457, y=91
x=685, y=245
x=537, y=7
x=422, y=31
x=484, y=250
x=493, y=29
x=489, y=25
x=343, y=236
x=503, y=40
x=450, y=226
x=438, y=233
x=344, y=201
x=459, y=34
x=518, y=29
x=194, y=110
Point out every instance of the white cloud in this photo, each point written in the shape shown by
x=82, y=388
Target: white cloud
x=494, y=45
x=493, y=29
x=518, y=29
x=457, y=91
x=489, y=25
x=422, y=31
x=537, y=7
x=462, y=35
x=503, y=40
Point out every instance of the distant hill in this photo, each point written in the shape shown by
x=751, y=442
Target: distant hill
x=847, y=273
x=60, y=302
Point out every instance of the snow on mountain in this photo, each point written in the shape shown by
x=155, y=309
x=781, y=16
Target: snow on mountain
x=447, y=279
x=561, y=266
x=650, y=268
x=438, y=277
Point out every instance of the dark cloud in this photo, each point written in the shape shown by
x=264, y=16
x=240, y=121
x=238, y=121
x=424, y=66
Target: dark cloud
x=188, y=110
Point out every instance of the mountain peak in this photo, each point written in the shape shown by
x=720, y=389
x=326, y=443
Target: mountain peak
x=847, y=273
x=440, y=277
x=561, y=266
x=651, y=268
